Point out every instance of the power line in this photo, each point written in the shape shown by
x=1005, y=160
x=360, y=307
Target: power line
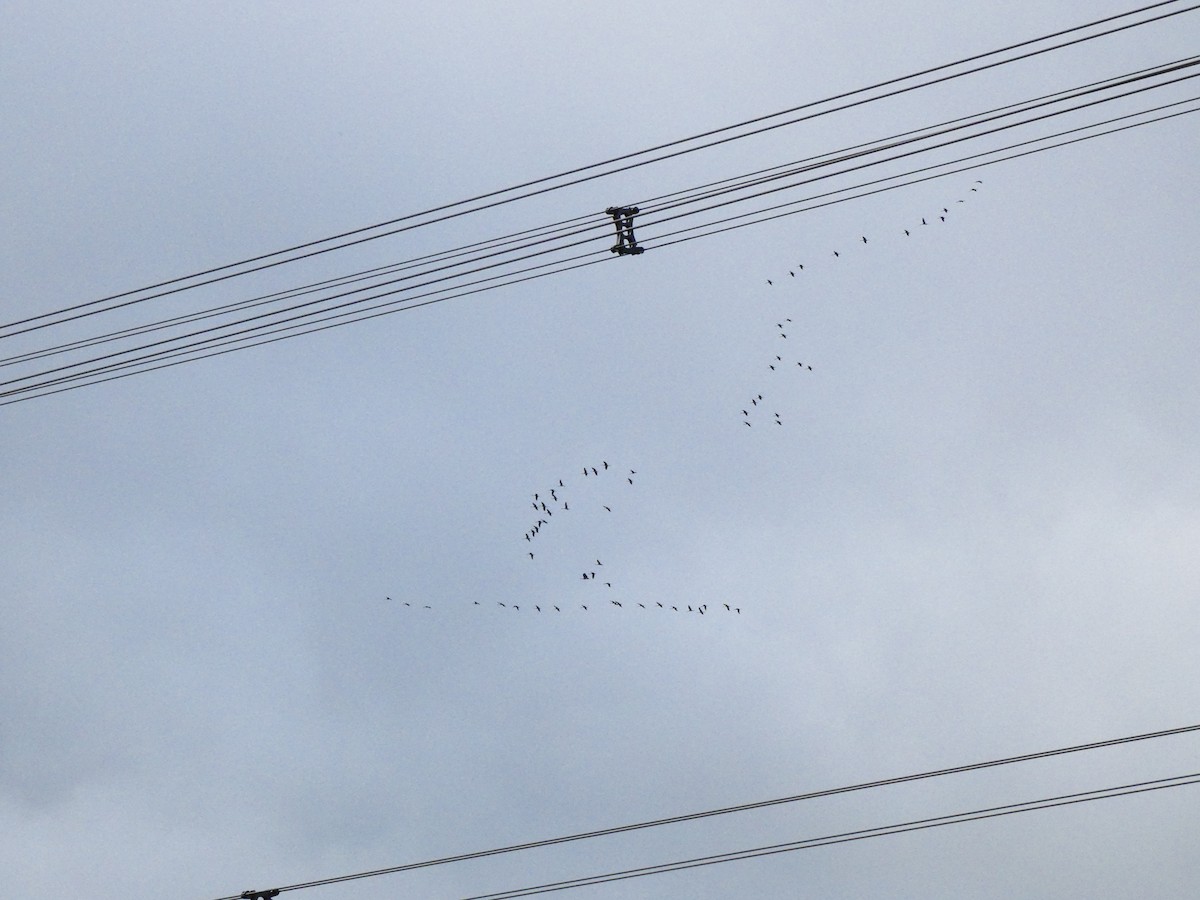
x=258, y=336
x=588, y=168
x=535, y=236
x=993, y=812
x=745, y=807
x=254, y=331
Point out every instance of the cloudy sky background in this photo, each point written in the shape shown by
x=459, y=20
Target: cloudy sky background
x=975, y=534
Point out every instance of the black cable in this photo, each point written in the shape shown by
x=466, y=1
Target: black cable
x=176, y=281
x=543, y=252
x=647, y=207
x=929, y=177
x=744, y=807
x=197, y=353
x=993, y=812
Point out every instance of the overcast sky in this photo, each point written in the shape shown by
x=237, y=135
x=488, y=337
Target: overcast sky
x=259, y=611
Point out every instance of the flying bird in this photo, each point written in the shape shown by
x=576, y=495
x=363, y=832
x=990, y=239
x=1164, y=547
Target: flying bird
x=609, y=508
x=906, y=234
x=835, y=253
x=769, y=281
x=864, y=237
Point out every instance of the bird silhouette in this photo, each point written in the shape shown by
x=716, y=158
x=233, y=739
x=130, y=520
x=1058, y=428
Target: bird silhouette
x=864, y=237
x=642, y=605
x=630, y=480
x=835, y=253
x=605, y=464
x=906, y=232
x=609, y=508
x=769, y=281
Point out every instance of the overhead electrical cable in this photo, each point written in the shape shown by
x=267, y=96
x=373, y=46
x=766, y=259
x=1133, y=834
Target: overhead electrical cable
x=676, y=143
x=969, y=168
x=746, y=807
x=541, y=251
x=538, y=251
x=845, y=837
x=649, y=206
x=258, y=336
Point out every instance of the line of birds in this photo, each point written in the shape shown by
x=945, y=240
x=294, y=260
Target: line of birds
x=756, y=408
x=700, y=609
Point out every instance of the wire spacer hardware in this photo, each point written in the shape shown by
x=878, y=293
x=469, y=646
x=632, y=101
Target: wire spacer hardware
x=622, y=217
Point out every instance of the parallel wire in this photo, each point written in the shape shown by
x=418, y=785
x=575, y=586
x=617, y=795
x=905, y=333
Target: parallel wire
x=258, y=329
x=678, y=198
x=942, y=67
x=259, y=338
x=993, y=812
x=744, y=807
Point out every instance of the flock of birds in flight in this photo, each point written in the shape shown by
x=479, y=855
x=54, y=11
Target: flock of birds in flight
x=785, y=360
x=555, y=500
